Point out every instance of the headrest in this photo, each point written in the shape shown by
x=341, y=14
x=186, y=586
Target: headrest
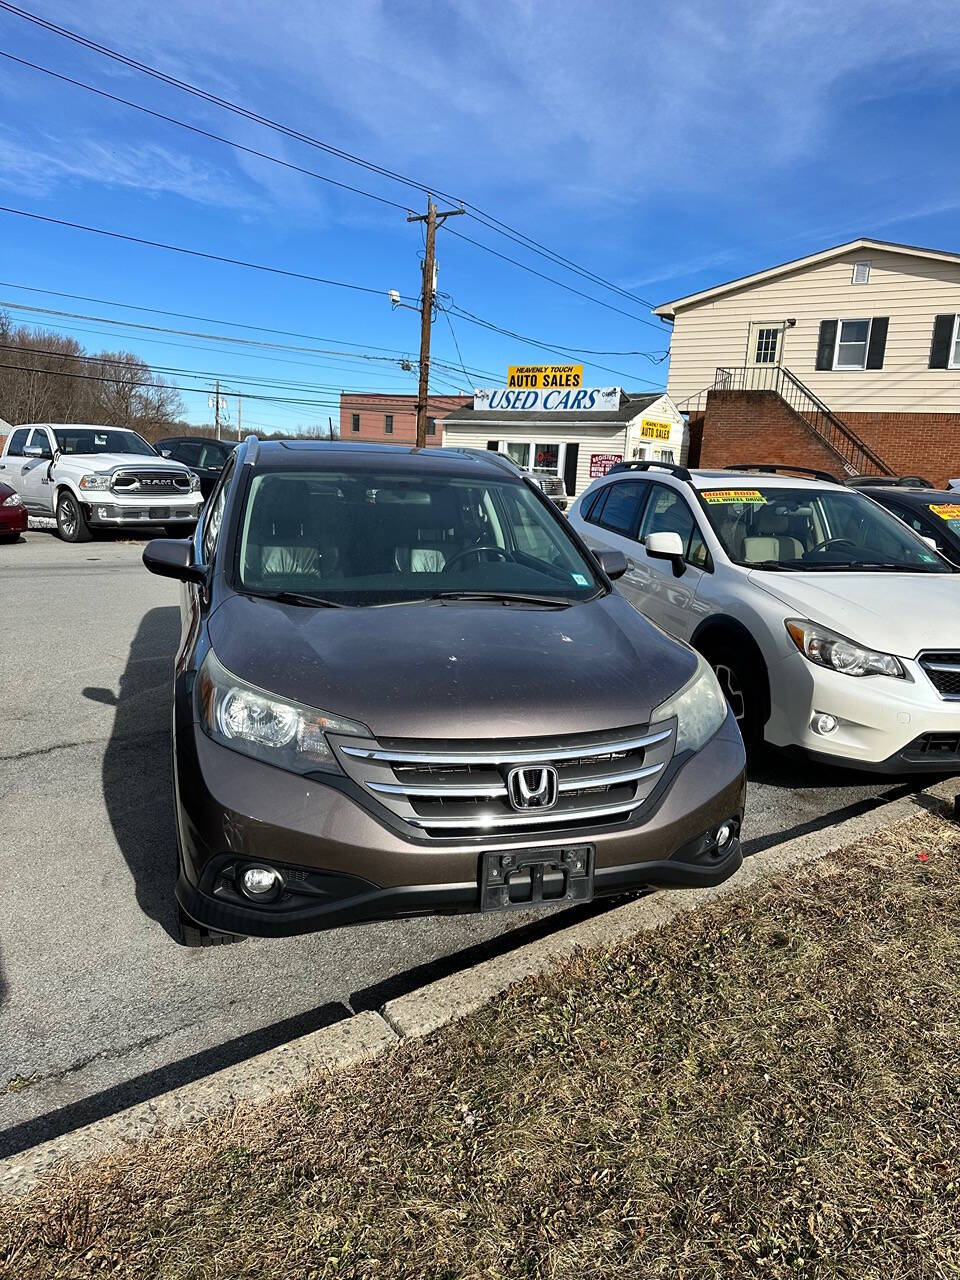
x=770, y=522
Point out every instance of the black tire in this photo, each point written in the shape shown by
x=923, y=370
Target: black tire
x=10, y=537
x=195, y=935
x=177, y=531
x=743, y=690
x=71, y=522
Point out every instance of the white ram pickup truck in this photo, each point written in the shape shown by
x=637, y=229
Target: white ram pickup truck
x=91, y=477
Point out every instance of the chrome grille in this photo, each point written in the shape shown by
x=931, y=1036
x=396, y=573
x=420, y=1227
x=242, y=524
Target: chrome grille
x=943, y=671
x=147, y=483
x=441, y=790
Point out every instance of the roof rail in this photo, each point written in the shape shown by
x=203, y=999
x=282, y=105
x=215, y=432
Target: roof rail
x=888, y=482
x=680, y=472
x=770, y=468
x=253, y=448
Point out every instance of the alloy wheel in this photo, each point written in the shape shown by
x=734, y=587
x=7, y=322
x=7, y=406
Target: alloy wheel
x=732, y=691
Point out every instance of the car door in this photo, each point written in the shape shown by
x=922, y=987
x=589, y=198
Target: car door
x=12, y=462
x=35, y=487
x=667, y=597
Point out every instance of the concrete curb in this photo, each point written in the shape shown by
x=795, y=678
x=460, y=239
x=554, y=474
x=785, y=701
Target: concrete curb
x=368, y=1035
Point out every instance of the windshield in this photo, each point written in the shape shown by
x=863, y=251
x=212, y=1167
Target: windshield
x=362, y=539
x=101, y=440
x=810, y=529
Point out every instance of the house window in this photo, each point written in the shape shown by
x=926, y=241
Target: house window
x=861, y=273
x=955, y=345
x=665, y=455
x=388, y=424
x=431, y=426
x=853, y=338
x=355, y=422
x=766, y=352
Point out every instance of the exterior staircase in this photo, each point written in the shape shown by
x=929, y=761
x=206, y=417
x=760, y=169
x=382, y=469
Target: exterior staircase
x=854, y=455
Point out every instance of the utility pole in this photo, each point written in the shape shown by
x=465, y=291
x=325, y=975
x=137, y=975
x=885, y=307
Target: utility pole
x=433, y=219
x=216, y=408
x=239, y=416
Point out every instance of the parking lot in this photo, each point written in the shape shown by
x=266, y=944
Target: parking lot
x=99, y=1005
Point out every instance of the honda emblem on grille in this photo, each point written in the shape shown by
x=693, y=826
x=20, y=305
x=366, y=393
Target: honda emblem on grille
x=533, y=788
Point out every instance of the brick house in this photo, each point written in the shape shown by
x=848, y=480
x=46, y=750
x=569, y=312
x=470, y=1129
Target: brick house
x=847, y=360
x=392, y=419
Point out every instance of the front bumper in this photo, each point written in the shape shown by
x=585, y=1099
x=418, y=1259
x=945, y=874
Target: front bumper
x=13, y=520
x=343, y=865
x=884, y=725
x=115, y=514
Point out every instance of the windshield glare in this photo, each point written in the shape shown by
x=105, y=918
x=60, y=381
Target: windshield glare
x=101, y=440
x=809, y=529
x=362, y=539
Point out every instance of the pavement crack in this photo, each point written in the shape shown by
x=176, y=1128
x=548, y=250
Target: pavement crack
x=46, y=751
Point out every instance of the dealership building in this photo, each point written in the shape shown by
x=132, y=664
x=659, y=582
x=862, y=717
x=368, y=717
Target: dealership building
x=579, y=443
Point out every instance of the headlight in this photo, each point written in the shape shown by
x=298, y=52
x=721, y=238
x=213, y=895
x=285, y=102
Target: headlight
x=700, y=708
x=259, y=724
x=194, y=482
x=13, y=501
x=827, y=649
x=95, y=482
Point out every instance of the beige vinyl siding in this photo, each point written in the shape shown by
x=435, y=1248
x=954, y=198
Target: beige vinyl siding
x=662, y=410
x=908, y=289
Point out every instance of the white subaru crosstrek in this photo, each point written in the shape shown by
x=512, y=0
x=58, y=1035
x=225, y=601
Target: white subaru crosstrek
x=832, y=626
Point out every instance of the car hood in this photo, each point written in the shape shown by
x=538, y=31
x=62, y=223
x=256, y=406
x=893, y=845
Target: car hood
x=457, y=670
x=899, y=613
x=110, y=461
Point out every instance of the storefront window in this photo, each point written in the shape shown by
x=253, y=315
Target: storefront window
x=520, y=453
x=546, y=457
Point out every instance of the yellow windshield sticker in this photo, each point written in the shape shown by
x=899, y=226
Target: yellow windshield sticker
x=733, y=495
x=946, y=510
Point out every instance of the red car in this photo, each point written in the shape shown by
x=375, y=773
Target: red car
x=13, y=514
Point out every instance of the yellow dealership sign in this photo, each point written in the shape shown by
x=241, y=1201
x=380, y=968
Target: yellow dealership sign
x=545, y=377
x=653, y=430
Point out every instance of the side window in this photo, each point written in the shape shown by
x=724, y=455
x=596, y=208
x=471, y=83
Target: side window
x=667, y=512
x=621, y=511
x=594, y=504
x=17, y=443
x=697, y=553
x=214, y=517
x=40, y=440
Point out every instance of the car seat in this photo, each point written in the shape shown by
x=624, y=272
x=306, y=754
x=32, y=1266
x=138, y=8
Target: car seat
x=285, y=545
x=771, y=541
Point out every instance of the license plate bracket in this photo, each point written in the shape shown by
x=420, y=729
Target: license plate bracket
x=516, y=881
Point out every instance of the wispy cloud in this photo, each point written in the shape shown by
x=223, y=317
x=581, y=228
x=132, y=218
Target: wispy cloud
x=40, y=168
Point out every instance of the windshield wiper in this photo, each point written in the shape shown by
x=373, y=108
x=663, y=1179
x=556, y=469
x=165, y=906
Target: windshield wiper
x=299, y=597
x=504, y=597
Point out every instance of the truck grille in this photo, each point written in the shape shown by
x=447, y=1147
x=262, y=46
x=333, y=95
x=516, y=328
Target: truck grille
x=148, y=483
x=943, y=672
x=445, y=791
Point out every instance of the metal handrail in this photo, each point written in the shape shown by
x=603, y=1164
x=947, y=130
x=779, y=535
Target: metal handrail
x=857, y=456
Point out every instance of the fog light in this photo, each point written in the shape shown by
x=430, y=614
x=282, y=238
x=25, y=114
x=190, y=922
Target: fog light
x=260, y=882
x=724, y=834
x=823, y=723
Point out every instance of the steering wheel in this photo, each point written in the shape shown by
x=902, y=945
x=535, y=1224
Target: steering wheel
x=474, y=551
x=831, y=542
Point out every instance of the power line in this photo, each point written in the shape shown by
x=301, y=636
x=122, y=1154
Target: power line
x=193, y=253
x=495, y=224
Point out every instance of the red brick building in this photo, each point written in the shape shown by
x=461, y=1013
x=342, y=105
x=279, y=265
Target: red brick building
x=392, y=418
x=846, y=360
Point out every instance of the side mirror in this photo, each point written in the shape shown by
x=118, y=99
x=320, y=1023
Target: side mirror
x=613, y=563
x=173, y=558
x=35, y=451
x=666, y=546
x=166, y=453
x=931, y=542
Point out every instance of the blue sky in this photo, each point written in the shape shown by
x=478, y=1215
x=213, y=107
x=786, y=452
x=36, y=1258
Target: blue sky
x=664, y=147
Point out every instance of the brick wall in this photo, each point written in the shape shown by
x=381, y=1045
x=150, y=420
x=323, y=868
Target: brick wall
x=756, y=426
x=372, y=410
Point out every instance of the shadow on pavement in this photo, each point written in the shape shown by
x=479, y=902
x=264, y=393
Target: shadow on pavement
x=137, y=782
x=151, y=1083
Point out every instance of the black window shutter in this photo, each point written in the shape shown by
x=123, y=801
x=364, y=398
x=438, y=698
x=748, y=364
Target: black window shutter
x=878, y=342
x=493, y=444
x=940, y=345
x=571, y=457
x=826, y=343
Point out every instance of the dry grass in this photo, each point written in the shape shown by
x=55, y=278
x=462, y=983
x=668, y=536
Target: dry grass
x=769, y=1088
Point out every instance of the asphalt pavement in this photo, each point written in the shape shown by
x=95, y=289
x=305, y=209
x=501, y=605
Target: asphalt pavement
x=99, y=1005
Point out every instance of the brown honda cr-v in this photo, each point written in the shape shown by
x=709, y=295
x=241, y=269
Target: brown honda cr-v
x=405, y=686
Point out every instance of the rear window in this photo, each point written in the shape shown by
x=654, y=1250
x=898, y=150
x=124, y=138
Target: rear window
x=377, y=538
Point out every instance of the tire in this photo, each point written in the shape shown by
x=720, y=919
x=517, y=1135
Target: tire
x=71, y=522
x=195, y=935
x=10, y=537
x=176, y=531
x=742, y=690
